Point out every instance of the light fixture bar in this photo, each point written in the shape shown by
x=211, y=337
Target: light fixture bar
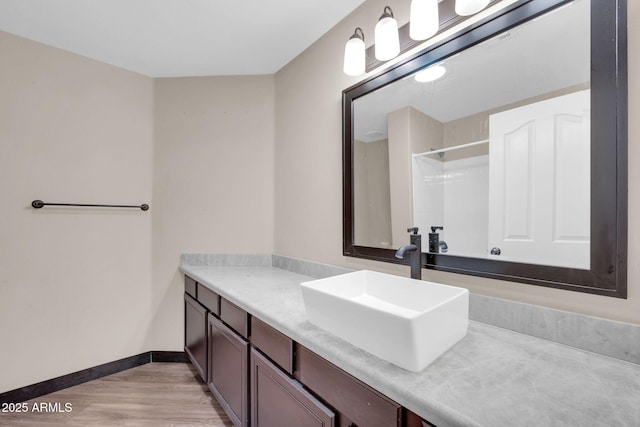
x=448, y=18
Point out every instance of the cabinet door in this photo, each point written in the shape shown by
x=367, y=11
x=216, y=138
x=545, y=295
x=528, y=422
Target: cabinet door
x=228, y=370
x=195, y=334
x=277, y=400
x=357, y=403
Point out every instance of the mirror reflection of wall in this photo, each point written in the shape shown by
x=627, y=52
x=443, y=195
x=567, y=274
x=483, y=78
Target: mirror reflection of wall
x=523, y=189
x=372, y=194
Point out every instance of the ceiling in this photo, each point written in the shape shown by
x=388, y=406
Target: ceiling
x=171, y=38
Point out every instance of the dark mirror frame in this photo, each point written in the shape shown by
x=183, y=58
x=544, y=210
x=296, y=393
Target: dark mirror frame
x=609, y=170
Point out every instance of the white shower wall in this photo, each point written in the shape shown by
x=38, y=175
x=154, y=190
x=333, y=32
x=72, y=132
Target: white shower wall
x=453, y=194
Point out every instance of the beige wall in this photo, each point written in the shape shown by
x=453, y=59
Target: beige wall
x=410, y=132
x=308, y=194
x=213, y=181
x=371, y=193
x=400, y=176
x=82, y=287
x=476, y=126
x=74, y=283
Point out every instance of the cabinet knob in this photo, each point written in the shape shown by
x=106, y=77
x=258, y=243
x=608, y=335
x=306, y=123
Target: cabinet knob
x=495, y=251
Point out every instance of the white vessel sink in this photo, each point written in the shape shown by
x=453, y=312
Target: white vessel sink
x=407, y=322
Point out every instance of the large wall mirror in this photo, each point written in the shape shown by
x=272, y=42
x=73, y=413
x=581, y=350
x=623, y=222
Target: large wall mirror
x=505, y=144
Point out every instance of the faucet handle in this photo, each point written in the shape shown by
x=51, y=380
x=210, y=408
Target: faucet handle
x=412, y=229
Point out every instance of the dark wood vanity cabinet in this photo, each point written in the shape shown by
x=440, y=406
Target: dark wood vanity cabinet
x=262, y=378
x=198, y=301
x=195, y=334
x=292, y=386
x=277, y=399
x=356, y=403
x=228, y=370
x=215, y=340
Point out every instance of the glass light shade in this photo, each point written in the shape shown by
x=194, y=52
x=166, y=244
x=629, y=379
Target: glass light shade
x=424, y=19
x=430, y=74
x=354, y=57
x=469, y=7
x=387, y=44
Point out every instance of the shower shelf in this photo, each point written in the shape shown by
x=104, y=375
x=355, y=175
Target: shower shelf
x=455, y=147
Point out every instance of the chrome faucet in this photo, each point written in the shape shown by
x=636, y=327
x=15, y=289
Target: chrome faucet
x=415, y=249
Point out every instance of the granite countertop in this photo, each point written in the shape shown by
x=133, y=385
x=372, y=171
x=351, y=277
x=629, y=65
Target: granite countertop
x=493, y=377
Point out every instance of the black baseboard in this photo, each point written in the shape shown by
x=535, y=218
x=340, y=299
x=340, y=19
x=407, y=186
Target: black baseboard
x=169, y=356
x=75, y=378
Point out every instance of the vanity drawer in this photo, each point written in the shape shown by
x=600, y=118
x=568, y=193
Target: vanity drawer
x=277, y=346
x=209, y=299
x=350, y=397
x=190, y=286
x=235, y=317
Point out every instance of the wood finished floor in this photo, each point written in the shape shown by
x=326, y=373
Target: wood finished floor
x=155, y=394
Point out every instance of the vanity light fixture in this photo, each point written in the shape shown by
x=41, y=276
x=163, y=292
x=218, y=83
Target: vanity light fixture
x=424, y=23
x=469, y=7
x=354, y=54
x=424, y=20
x=387, y=40
x=430, y=74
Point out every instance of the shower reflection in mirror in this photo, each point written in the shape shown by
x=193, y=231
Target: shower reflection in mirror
x=493, y=144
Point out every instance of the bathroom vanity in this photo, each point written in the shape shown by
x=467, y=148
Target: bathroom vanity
x=258, y=373
x=247, y=334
